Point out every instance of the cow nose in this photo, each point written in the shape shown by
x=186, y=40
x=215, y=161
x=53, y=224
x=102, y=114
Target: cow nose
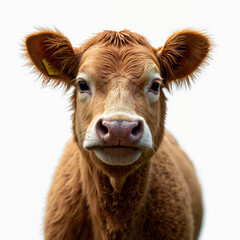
x=119, y=132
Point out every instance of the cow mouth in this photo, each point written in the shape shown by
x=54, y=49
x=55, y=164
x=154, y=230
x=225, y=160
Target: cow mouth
x=118, y=155
x=119, y=150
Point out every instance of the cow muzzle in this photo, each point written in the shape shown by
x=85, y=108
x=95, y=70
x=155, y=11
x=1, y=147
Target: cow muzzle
x=118, y=140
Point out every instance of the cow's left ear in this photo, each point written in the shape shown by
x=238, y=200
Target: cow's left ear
x=182, y=56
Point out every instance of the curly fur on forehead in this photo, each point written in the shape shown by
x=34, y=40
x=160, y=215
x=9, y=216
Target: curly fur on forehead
x=114, y=38
x=111, y=61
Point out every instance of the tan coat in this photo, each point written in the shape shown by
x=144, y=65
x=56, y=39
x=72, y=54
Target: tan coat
x=122, y=175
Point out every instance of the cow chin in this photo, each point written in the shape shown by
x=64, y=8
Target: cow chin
x=118, y=156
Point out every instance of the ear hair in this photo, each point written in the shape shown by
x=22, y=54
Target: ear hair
x=52, y=56
x=183, y=56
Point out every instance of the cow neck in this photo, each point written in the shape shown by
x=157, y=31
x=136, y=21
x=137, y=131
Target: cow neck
x=116, y=206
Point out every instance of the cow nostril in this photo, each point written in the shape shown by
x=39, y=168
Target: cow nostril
x=101, y=129
x=134, y=130
x=138, y=129
x=104, y=129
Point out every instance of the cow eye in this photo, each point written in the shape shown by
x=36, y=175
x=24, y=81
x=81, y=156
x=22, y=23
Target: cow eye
x=155, y=87
x=83, y=86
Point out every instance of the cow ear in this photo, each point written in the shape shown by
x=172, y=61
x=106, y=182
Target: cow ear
x=182, y=56
x=51, y=54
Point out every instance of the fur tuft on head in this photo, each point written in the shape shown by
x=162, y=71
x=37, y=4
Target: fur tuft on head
x=117, y=39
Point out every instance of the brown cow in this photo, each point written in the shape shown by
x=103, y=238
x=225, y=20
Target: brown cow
x=122, y=175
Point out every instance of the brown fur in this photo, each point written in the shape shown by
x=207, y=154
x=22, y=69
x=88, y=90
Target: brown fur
x=156, y=197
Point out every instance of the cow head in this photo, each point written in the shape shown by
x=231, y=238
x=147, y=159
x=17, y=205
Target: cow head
x=118, y=79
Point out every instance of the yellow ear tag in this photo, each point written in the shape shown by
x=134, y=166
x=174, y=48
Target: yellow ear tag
x=50, y=69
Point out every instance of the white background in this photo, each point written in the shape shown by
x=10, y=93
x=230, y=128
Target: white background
x=35, y=123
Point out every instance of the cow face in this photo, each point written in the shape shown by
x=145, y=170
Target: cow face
x=118, y=102
x=119, y=99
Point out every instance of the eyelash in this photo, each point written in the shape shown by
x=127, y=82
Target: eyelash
x=155, y=84
x=83, y=86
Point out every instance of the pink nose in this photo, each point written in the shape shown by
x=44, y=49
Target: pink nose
x=118, y=132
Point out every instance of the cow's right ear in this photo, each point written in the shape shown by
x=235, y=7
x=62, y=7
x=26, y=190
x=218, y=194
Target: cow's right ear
x=52, y=56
